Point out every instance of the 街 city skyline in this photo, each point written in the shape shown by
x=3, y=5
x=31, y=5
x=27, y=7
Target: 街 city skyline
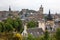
x=53, y=5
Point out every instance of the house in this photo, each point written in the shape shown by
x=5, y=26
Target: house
x=36, y=32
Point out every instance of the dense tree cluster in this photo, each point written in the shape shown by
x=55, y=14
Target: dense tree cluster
x=32, y=24
x=11, y=25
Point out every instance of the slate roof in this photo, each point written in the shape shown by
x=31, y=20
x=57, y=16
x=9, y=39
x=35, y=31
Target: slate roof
x=36, y=32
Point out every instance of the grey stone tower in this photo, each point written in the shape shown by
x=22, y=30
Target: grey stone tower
x=41, y=10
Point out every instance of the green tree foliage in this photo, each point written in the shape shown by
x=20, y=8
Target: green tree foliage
x=30, y=37
x=58, y=34
x=8, y=27
x=41, y=38
x=17, y=24
x=46, y=35
x=32, y=24
x=10, y=24
x=9, y=20
x=20, y=25
x=52, y=37
x=0, y=27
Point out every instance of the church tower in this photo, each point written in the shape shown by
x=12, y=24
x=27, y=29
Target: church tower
x=49, y=22
x=41, y=10
x=9, y=9
x=49, y=17
x=10, y=14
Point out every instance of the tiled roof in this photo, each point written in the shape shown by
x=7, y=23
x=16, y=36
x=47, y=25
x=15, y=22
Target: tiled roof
x=35, y=31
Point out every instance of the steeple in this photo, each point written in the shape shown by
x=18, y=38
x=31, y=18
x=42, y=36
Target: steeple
x=9, y=9
x=49, y=17
x=49, y=12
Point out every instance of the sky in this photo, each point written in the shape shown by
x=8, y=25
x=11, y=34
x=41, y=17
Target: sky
x=52, y=5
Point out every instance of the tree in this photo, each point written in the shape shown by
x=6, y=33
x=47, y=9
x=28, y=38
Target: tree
x=10, y=24
x=8, y=27
x=58, y=34
x=52, y=37
x=9, y=20
x=30, y=37
x=17, y=23
x=0, y=27
x=32, y=24
x=41, y=37
x=46, y=35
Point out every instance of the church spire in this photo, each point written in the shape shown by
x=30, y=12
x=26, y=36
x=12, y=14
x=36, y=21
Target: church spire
x=9, y=9
x=49, y=17
x=49, y=11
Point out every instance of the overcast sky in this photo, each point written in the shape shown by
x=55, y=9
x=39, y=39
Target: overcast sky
x=53, y=5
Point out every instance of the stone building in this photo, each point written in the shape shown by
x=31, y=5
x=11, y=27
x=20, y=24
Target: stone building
x=49, y=22
x=5, y=14
x=32, y=14
x=36, y=32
